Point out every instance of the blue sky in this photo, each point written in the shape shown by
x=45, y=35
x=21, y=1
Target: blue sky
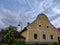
x=14, y=11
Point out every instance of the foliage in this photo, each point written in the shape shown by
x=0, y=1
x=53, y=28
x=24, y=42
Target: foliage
x=23, y=43
x=10, y=35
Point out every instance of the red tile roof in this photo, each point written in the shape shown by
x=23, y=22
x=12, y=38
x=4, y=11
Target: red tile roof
x=58, y=29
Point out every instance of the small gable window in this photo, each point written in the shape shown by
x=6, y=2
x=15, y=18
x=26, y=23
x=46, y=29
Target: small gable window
x=35, y=36
x=51, y=36
x=44, y=36
x=47, y=26
x=39, y=25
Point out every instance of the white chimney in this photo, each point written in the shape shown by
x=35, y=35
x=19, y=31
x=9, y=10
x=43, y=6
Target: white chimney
x=19, y=28
x=28, y=25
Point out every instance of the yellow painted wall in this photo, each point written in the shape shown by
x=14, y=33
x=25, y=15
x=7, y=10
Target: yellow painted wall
x=35, y=29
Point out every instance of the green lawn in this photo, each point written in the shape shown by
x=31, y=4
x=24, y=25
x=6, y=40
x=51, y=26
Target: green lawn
x=3, y=44
x=27, y=44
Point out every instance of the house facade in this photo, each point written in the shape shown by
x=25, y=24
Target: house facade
x=40, y=30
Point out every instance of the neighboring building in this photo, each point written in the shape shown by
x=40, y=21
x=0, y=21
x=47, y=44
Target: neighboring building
x=41, y=30
x=58, y=30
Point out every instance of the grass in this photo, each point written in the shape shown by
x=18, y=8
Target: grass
x=23, y=43
x=3, y=44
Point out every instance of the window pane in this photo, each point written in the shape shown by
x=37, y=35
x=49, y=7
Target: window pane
x=51, y=36
x=44, y=36
x=47, y=26
x=39, y=25
x=35, y=36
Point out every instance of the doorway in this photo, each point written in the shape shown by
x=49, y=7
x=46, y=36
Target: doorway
x=58, y=39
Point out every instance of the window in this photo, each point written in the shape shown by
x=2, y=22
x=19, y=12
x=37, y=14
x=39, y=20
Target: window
x=47, y=26
x=35, y=36
x=51, y=36
x=44, y=36
x=39, y=25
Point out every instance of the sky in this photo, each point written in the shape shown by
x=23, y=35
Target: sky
x=13, y=12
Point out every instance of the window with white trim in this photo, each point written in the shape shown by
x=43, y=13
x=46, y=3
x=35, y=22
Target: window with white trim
x=44, y=36
x=35, y=36
x=51, y=37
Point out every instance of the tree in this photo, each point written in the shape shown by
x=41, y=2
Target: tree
x=9, y=34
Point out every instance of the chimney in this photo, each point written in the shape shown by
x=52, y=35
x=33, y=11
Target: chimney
x=19, y=28
x=18, y=24
x=28, y=25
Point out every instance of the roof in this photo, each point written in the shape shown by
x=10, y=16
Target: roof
x=32, y=22
x=23, y=30
x=35, y=20
x=58, y=29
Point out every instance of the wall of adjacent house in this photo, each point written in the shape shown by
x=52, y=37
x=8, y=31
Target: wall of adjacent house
x=58, y=34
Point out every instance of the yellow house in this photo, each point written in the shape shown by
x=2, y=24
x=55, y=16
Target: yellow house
x=41, y=30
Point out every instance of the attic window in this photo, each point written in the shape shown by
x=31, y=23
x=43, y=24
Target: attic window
x=39, y=25
x=47, y=26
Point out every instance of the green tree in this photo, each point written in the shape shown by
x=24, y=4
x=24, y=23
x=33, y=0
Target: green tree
x=9, y=34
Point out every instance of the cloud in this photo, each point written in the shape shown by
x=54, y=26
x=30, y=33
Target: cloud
x=53, y=13
x=56, y=10
x=56, y=22
x=13, y=12
x=28, y=10
x=7, y=17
